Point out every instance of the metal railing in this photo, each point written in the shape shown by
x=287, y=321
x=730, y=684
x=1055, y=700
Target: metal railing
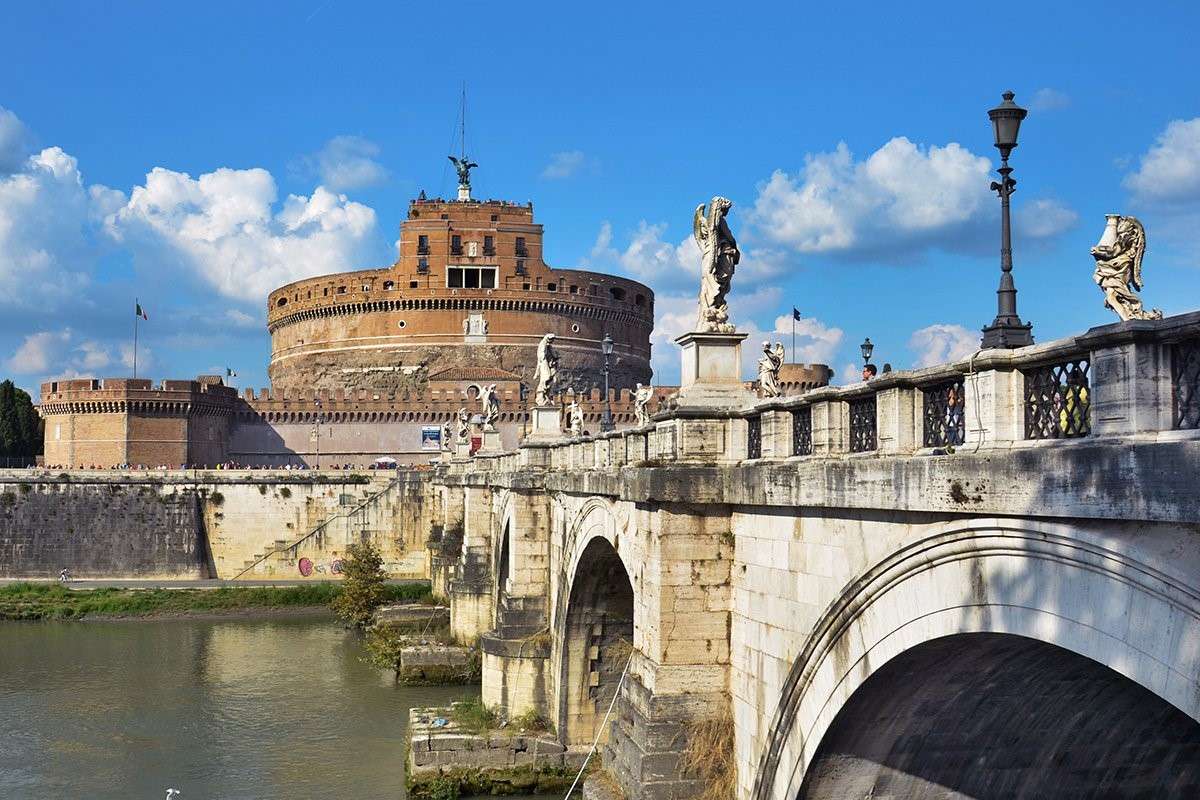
x=802, y=431
x=1185, y=382
x=754, y=437
x=1058, y=400
x=943, y=412
x=864, y=436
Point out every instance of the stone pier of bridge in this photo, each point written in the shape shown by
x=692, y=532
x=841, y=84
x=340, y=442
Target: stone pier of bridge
x=981, y=579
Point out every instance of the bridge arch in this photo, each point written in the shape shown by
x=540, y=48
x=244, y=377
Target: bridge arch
x=503, y=546
x=994, y=716
x=1060, y=585
x=595, y=620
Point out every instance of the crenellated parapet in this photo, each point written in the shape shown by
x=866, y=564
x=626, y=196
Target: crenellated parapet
x=113, y=421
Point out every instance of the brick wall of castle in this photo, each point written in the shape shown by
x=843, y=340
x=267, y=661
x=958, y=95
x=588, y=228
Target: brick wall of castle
x=462, y=265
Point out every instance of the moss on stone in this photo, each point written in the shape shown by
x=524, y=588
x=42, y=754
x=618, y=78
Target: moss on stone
x=494, y=782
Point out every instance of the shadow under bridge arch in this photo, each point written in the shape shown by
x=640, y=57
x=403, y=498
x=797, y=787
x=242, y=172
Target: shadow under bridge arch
x=597, y=640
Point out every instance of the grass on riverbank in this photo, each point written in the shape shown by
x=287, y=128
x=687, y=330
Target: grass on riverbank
x=38, y=601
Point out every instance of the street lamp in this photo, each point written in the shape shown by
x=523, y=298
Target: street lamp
x=867, y=348
x=1007, y=330
x=606, y=423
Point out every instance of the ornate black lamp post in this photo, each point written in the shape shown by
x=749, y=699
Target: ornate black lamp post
x=867, y=348
x=606, y=424
x=1007, y=330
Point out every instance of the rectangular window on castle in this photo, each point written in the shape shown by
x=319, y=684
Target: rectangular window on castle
x=471, y=277
x=456, y=245
x=422, y=265
x=521, y=251
x=489, y=245
x=422, y=245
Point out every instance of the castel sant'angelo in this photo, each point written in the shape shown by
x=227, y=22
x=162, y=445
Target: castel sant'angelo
x=373, y=363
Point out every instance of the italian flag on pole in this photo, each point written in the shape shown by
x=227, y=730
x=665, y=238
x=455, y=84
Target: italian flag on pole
x=138, y=312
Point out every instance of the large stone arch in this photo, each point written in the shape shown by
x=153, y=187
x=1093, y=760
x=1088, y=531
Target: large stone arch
x=993, y=716
x=594, y=620
x=502, y=546
x=1058, y=584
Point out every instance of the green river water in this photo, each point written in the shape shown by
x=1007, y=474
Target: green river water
x=220, y=710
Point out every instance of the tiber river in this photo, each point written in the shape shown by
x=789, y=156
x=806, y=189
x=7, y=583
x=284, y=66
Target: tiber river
x=220, y=710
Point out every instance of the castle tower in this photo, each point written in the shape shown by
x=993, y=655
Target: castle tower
x=470, y=288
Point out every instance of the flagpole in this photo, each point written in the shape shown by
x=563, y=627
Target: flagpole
x=135, y=326
x=793, y=335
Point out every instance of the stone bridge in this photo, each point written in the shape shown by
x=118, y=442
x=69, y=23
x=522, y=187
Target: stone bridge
x=977, y=580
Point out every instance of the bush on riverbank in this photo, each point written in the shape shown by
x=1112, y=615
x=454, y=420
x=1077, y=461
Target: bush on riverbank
x=37, y=601
x=365, y=586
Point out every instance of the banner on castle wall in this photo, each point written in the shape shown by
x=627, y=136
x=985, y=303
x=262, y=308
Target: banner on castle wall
x=431, y=437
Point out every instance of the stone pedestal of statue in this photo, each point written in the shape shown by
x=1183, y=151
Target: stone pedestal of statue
x=462, y=450
x=547, y=424
x=711, y=374
x=492, y=444
x=464, y=193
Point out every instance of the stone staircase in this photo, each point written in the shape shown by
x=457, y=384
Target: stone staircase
x=287, y=550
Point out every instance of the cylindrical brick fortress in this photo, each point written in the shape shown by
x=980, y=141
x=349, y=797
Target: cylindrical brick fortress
x=469, y=288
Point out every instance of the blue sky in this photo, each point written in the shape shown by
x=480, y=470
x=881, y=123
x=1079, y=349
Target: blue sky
x=198, y=155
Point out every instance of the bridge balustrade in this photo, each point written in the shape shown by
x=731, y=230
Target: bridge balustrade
x=802, y=444
x=1139, y=378
x=864, y=428
x=1185, y=381
x=1058, y=400
x=754, y=437
x=943, y=406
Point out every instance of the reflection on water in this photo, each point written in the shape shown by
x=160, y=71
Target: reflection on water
x=228, y=710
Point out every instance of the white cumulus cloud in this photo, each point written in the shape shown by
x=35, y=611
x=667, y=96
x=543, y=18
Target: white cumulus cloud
x=941, y=343
x=564, y=165
x=62, y=353
x=47, y=220
x=901, y=199
x=651, y=257
x=1047, y=99
x=16, y=142
x=1043, y=218
x=346, y=162
x=1169, y=172
x=224, y=228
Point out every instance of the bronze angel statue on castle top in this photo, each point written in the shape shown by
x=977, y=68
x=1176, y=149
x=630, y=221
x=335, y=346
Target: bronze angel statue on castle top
x=1118, y=272
x=463, y=167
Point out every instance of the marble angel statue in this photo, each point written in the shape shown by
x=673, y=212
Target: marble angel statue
x=720, y=257
x=1118, y=272
x=641, y=399
x=768, y=369
x=491, y=407
x=547, y=371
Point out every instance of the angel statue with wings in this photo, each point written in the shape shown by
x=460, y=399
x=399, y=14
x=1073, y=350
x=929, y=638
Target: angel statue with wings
x=463, y=167
x=768, y=369
x=1118, y=272
x=491, y=407
x=720, y=257
x=547, y=371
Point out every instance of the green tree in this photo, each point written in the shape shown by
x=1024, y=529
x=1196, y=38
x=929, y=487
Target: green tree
x=30, y=424
x=364, y=588
x=20, y=428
